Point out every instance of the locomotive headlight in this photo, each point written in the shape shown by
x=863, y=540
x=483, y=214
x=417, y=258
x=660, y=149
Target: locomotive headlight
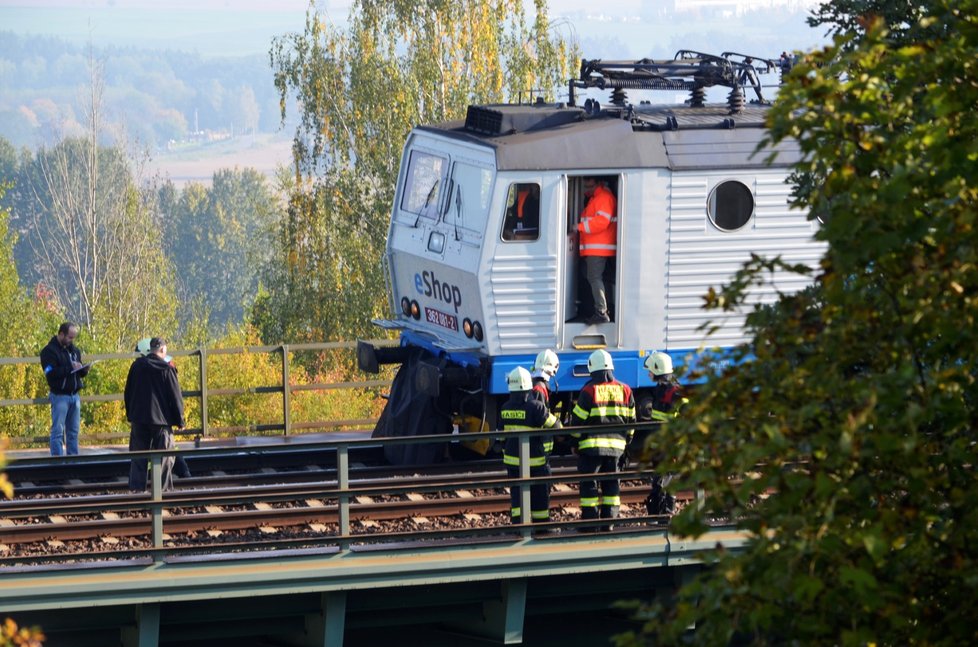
x=477, y=330
x=406, y=306
x=415, y=310
x=467, y=327
x=436, y=242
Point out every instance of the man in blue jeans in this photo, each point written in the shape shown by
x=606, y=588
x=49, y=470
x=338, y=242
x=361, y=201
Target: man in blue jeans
x=63, y=368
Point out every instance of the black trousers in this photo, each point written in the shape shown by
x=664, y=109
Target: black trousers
x=609, y=503
x=143, y=437
x=539, y=495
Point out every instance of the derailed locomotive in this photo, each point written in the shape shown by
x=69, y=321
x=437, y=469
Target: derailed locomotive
x=480, y=283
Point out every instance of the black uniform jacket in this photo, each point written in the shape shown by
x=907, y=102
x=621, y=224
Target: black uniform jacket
x=604, y=401
x=56, y=361
x=524, y=411
x=153, y=393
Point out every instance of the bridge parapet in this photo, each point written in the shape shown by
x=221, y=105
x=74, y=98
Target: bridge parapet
x=486, y=587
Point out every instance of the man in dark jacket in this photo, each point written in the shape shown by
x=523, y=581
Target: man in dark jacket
x=602, y=401
x=154, y=405
x=63, y=368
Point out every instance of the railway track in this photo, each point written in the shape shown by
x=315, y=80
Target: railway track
x=293, y=471
x=101, y=525
x=109, y=473
x=60, y=524
x=260, y=496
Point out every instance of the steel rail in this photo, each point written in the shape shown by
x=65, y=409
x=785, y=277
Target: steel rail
x=295, y=471
x=177, y=522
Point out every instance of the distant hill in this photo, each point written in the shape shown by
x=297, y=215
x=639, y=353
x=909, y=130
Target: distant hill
x=156, y=97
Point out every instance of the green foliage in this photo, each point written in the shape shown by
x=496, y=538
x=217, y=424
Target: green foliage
x=361, y=90
x=25, y=326
x=853, y=430
x=849, y=18
x=254, y=370
x=216, y=237
x=91, y=237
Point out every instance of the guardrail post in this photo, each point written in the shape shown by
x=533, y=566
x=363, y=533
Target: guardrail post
x=343, y=481
x=286, y=395
x=203, y=391
x=525, y=488
x=156, y=475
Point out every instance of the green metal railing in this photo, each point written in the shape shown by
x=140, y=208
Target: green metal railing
x=339, y=490
x=205, y=392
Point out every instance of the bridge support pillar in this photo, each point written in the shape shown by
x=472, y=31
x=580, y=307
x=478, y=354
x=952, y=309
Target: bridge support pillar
x=502, y=619
x=146, y=633
x=326, y=628
x=508, y=614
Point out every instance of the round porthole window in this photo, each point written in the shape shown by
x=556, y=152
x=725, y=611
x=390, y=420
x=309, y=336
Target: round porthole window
x=730, y=205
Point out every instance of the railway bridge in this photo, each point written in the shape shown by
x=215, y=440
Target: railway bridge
x=340, y=577
x=492, y=591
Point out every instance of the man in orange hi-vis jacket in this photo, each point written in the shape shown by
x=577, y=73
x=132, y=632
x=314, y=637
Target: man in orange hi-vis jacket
x=599, y=242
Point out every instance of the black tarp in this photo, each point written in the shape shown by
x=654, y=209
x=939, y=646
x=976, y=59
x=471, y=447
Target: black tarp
x=411, y=413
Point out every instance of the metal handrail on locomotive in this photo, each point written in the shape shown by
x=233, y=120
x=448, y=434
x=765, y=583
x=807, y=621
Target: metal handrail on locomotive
x=483, y=255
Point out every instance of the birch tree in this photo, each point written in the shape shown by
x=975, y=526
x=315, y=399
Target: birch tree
x=95, y=234
x=360, y=90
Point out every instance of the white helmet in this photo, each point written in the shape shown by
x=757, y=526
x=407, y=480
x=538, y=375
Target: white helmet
x=142, y=346
x=658, y=363
x=519, y=380
x=546, y=363
x=600, y=360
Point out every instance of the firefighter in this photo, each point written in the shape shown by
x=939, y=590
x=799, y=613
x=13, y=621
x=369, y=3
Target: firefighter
x=544, y=369
x=603, y=400
x=528, y=207
x=667, y=400
x=523, y=411
x=598, y=229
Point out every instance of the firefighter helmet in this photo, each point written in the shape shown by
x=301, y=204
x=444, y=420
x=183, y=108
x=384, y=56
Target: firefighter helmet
x=547, y=364
x=519, y=380
x=600, y=360
x=658, y=363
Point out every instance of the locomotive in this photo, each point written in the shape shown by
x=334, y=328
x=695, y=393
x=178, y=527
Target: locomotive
x=479, y=283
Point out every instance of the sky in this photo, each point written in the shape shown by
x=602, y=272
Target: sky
x=242, y=27
x=619, y=30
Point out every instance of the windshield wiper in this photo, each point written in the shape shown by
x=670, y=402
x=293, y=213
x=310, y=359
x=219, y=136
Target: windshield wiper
x=432, y=192
x=458, y=211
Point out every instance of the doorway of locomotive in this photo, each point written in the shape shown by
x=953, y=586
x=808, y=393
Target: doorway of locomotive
x=578, y=302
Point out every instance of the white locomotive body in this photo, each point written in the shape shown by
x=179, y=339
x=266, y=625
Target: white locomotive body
x=481, y=287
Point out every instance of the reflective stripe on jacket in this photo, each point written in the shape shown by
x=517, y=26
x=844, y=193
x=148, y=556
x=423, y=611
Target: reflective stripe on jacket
x=604, y=401
x=667, y=400
x=523, y=411
x=599, y=224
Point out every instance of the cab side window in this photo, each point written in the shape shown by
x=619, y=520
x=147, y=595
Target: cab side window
x=522, y=221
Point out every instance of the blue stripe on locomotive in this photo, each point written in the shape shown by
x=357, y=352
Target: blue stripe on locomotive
x=573, y=373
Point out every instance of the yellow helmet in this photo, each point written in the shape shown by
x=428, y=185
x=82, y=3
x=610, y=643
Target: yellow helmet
x=519, y=380
x=600, y=360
